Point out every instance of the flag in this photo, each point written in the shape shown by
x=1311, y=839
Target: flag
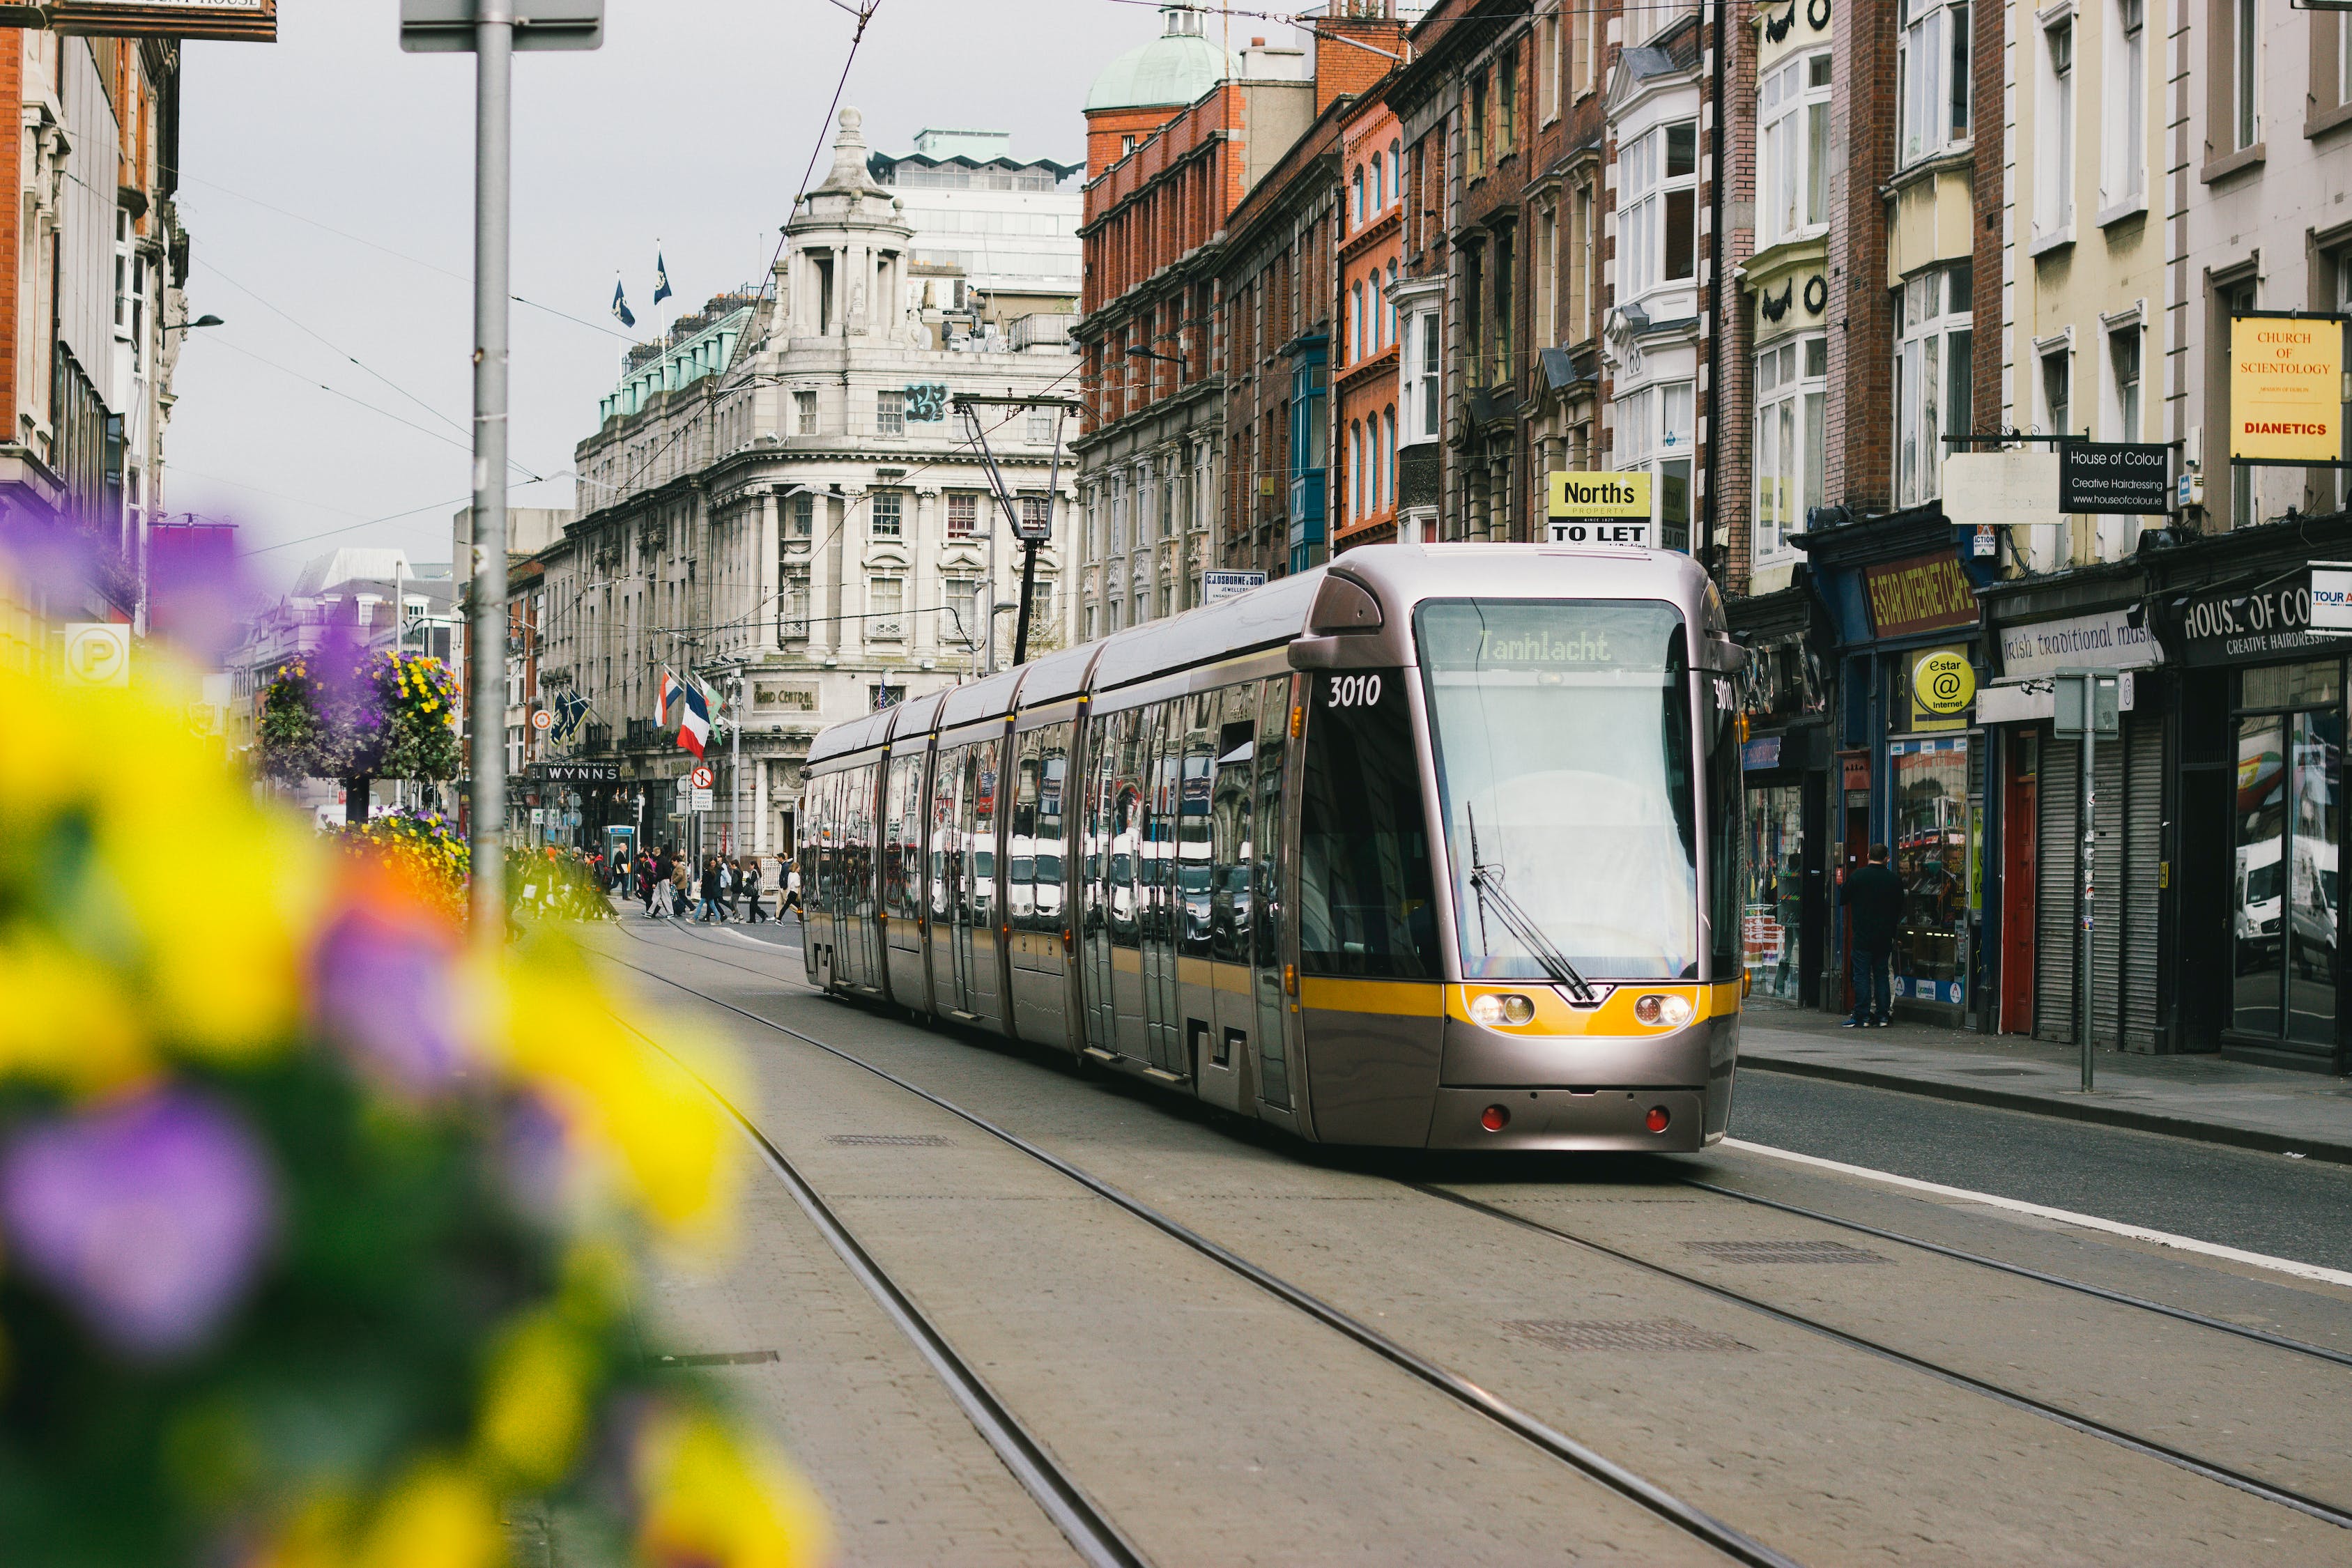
x=669, y=694
x=693, y=719
x=662, y=289
x=621, y=305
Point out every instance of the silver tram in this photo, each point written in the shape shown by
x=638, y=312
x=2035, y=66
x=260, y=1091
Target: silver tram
x=1434, y=847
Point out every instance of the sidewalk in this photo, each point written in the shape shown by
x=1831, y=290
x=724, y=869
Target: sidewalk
x=2199, y=1097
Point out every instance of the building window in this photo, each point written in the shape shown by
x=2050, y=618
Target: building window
x=2057, y=393
x=1423, y=397
x=804, y=412
x=1933, y=390
x=1507, y=99
x=1477, y=128
x=1658, y=221
x=1167, y=598
x=887, y=609
x=889, y=514
x=958, y=609
x=1037, y=513
x=963, y=515
x=1654, y=431
x=1932, y=64
x=800, y=516
x=1091, y=632
x=1396, y=168
x=1547, y=64
x=890, y=413
x=1355, y=469
x=1373, y=315
x=1547, y=275
x=2123, y=177
x=1792, y=435
x=2123, y=359
x=792, y=611
x=1044, y=426
x=1355, y=322
x=2055, y=209
x=1126, y=145
x=1356, y=198
x=2245, y=79
x=1794, y=162
x=1506, y=292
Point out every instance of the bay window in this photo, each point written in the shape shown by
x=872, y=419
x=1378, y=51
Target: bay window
x=1932, y=101
x=1424, y=405
x=1794, y=163
x=1933, y=390
x=1656, y=432
x=1791, y=428
x=1657, y=225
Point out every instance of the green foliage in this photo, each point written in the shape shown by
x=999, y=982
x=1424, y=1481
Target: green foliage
x=331, y=715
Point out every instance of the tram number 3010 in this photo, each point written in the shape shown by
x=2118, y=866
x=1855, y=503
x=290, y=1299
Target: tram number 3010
x=1354, y=692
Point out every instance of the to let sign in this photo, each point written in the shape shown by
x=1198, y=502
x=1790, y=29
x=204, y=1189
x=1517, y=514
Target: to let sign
x=2287, y=389
x=2127, y=477
x=1922, y=593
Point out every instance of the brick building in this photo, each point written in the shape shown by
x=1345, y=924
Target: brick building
x=1364, y=357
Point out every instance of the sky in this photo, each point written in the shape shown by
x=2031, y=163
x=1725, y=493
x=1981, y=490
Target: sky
x=327, y=186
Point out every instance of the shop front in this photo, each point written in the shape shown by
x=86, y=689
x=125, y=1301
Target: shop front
x=2259, y=707
x=1902, y=603
x=1784, y=765
x=2088, y=619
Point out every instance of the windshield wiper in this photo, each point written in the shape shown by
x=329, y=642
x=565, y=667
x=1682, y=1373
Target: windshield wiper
x=1487, y=881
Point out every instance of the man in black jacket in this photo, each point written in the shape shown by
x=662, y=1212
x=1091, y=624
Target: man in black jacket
x=1873, y=900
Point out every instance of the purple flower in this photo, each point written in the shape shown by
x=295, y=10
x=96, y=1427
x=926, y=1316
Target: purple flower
x=149, y=1218
x=535, y=1156
x=384, y=990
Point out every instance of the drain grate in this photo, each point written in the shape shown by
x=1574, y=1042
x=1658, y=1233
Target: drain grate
x=717, y=1358
x=1784, y=1252
x=1623, y=1334
x=888, y=1140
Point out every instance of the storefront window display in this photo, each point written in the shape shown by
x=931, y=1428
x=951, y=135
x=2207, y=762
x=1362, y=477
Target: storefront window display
x=1933, y=829
x=1773, y=915
x=2288, y=821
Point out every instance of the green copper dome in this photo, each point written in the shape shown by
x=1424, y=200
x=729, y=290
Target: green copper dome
x=1175, y=67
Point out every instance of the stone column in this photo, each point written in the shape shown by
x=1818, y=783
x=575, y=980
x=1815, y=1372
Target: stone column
x=768, y=573
x=924, y=593
x=850, y=566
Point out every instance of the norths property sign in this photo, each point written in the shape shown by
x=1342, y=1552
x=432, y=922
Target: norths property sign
x=2287, y=389
x=1600, y=509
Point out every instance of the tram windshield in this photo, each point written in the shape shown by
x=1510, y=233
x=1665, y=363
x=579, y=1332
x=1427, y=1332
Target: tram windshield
x=1563, y=736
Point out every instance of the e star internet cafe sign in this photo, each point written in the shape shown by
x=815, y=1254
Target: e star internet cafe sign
x=2287, y=389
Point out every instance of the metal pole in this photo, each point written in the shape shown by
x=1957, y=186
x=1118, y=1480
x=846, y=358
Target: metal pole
x=2087, y=936
x=493, y=166
x=735, y=766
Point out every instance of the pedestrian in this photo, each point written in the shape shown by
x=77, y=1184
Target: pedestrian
x=706, y=909
x=645, y=882
x=681, y=887
x=1874, y=903
x=751, y=888
x=792, y=893
x=726, y=888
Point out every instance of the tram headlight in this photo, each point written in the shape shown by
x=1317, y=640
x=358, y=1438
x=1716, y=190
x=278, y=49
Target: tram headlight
x=1505, y=1008
x=1662, y=1012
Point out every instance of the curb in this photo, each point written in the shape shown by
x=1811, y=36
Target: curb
x=2070, y=1110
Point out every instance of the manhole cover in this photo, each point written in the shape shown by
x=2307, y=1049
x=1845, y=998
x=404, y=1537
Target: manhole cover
x=1627, y=1334
x=1784, y=1252
x=889, y=1139
x=717, y=1358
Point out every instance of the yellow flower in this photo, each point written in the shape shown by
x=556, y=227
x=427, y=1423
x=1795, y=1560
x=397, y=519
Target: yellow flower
x=438, y=1516
x=535, y=1403
x=713, y=1501
x=68, y=1021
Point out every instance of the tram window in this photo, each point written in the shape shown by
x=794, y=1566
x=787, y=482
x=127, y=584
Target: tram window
x=947, y=855
x=1124, y=879
x=1727, y=805
x=1367, y=904
x=1052, y=824
x=1195, y=872
x=1165, y=723
x=896, y=827
x=980, y=826
x=1020, y=841
x=1564, y=732
x=1229, y=821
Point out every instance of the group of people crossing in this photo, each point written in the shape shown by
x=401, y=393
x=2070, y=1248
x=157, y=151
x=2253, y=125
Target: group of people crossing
x=722, y=888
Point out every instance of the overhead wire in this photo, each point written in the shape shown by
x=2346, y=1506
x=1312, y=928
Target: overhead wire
x=258, y=299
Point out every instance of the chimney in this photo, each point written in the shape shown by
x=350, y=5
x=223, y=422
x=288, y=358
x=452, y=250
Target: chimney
x=1356, y=43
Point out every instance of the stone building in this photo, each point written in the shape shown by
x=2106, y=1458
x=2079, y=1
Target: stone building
x=784, y=502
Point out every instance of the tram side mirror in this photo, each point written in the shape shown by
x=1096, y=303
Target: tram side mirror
x=1343, y=605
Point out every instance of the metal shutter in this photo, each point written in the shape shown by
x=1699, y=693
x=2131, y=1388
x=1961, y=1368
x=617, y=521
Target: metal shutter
x=2143, y=850
x=2056, y=891
x=2111, y=943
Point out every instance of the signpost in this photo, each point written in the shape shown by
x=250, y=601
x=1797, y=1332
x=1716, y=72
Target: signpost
x=2087, y=707
x=491, y=31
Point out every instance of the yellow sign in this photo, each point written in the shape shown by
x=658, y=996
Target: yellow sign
x=2287, y=389
x=1943, y=684
x=1601, y=495
x=98, y=653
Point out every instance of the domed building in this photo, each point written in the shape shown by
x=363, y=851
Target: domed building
x=1143, y=89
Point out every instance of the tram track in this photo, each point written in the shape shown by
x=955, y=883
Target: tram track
x=1731, y=1543
x=2218, y=1473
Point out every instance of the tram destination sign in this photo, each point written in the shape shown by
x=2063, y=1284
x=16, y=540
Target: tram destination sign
x=2273, y=619
x=2131, y=478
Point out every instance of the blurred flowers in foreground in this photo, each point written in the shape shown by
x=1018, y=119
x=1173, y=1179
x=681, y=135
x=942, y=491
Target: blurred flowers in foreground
x=315, y=1226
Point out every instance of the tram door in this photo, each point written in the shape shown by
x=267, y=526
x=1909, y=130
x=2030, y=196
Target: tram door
x=1162, y=1007
x=860, y=941
x=1230, y=1011
x=902, y=879
x=946, y=879
x=1095, y=888
x=1130, y=745
x=1269, y=931
x=977, y=937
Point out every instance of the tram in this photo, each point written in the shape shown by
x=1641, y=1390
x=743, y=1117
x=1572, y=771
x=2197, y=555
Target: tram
x=1436, y=847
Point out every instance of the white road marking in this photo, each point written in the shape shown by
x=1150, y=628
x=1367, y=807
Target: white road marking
x=2064, y=1216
